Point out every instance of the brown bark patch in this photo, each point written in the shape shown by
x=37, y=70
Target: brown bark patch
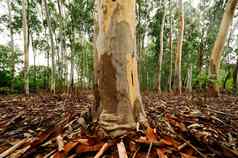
x=107, y=86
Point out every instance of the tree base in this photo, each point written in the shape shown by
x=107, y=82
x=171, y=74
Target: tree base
x=213, y=90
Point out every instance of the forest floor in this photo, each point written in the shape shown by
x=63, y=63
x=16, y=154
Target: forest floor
x=186, y=126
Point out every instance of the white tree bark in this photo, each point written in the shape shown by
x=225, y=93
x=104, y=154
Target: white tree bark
x=52, y=48
x=161, y=51
x=26, y=45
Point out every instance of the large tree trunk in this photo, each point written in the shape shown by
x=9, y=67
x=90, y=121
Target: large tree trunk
x=160, y=63
x=120, y=99
x=13, y=55
x=178, y=56
x=218, y=48
x=26, y=45
x=52, y=85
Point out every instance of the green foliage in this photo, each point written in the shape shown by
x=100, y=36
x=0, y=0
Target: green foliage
x=37, y=77
x=148, y=67
x=5, y=58
x=5, y=78
x=229, y=85
x=201, y=81
x=84, y=62
x=19, y=83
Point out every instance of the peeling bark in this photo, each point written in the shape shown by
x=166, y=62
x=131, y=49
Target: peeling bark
x=218, y=48
x=116, y=67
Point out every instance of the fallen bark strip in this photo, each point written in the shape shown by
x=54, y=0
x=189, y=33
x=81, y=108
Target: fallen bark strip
x=234, y=152
x=50, y=153
x=121, y=150
x=19, y=152
x=102, y=150
x=60, y=142
x=13, y=148
x=148, y=153
x=222, y=113
x=5, y=126
x=187, y=142
x=154, y=143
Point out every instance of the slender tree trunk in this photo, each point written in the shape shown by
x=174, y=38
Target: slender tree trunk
x=178, y=56
x=201, y=53
x=26, y=45
x=63, y=67
x=46, y=79
x=52, y=85
x=228, y=75
x=13, y=55
x=189, y=78
x=86, y=69
x=235, y=78
x=214, y=65
x=72, y=62
x=120, y=99
x=161, y=54
x=34, y=61
x=171, y=48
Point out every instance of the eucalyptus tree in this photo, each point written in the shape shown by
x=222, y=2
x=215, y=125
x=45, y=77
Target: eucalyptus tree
x=170, y=46
x=62, y=48
x=79, y=26
x=154, y=50
x=12, y=21
x=191, y=45
x=235, y=77
x=9, y=5
x=26, y=45
x=218, y=47
x=179, y=46
x=120, y=106
x=143, y=8
x=161, y=53
x=52, y=47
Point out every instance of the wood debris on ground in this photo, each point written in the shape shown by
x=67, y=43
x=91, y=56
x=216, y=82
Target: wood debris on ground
x=186, y=126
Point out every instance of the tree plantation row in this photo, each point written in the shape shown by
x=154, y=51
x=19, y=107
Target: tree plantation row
x=179, y=45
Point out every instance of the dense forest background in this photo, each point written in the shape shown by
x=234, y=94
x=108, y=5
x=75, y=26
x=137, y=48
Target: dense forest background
x=60, y=37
